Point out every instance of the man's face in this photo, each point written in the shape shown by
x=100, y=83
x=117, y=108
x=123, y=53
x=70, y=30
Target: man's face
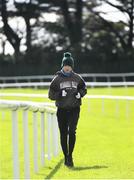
x=67, y=68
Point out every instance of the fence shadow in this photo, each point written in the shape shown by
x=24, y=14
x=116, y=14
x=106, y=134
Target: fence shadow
x=77, y=168
x=80, y=168
x=50, y=175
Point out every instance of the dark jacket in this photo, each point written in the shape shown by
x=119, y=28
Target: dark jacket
x=72, y=85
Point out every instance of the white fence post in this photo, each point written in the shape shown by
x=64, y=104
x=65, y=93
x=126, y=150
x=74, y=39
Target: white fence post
x=103, y=106
x=94, y=79
x=49, y=135
x=15, y=144
x=42, y=139
x=89, y=107
x=26, y=145
x=3, y=115
x=35, y=107
x=56, y=135
x=127, y=109
x=117, y=108
x=35, y=138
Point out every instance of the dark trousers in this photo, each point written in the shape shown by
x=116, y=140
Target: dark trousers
x=67, y=121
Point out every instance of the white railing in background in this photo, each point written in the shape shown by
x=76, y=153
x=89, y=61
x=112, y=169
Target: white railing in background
x=46, y=112
x=47, y=84
x=109, y=84
x=27, y=84
x=26, y=95
x=108, y=76
x=116, y=98
x=109, y=97
x=44, y=80
x=52, y=104
x=40, y=78
x=27, y=78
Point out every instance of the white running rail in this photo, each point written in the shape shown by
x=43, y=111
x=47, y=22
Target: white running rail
x=47, y=112
x=110, y=97
x=25, y=95
x=52, y=128
x=126, y=79
x=52, y=104
x=116, y=98
x=89, y=97
x=47, y=84
x=44, y=77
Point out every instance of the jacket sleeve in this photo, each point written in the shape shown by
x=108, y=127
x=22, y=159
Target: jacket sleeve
x=82, y=87
x=54, y=91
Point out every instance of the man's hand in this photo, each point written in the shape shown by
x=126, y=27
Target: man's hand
x=64, y=93
x=78, y=96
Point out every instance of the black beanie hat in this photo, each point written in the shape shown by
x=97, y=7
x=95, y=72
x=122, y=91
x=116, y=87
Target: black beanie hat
x=67, y=60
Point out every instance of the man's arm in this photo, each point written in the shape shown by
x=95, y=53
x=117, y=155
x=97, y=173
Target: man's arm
x=82, y=87
x=54, y=92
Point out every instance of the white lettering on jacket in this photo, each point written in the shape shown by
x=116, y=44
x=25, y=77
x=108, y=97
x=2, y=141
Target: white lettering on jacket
x=68, y=84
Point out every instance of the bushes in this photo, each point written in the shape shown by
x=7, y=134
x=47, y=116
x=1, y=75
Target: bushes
x=41, y=62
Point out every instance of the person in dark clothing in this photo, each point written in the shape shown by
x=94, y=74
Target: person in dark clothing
x=67, y=88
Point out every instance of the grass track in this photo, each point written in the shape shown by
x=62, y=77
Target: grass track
x=105, y=141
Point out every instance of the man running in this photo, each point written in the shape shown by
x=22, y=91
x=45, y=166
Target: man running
x=67, y=88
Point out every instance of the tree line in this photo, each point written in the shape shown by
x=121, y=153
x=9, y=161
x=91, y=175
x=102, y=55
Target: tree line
x=81, y=27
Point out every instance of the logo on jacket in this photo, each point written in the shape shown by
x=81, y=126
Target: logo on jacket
x=68, y=84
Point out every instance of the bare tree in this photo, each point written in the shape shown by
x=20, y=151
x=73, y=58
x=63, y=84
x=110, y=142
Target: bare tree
x=11, y=35
x=71, y=11
x=126, y=7
x=27, y=11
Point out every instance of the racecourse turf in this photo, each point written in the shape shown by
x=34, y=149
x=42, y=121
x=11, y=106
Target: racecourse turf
x=105, y=140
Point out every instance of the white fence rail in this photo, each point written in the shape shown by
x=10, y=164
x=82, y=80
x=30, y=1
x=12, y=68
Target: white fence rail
x=116, y=98
x=106, y=79
x=110, y=97
x=25, y=95
x=89, y=97
x=94, y=76
x=41, y=77
x=47, y=84
x=52, y=104
x=46, y=113
x=47, y=110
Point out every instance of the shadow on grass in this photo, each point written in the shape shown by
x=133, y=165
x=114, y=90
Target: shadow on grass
x=88, y=167
x=77, y=168
x=55, y=169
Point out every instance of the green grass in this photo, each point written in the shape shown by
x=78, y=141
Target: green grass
x=104, y=147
